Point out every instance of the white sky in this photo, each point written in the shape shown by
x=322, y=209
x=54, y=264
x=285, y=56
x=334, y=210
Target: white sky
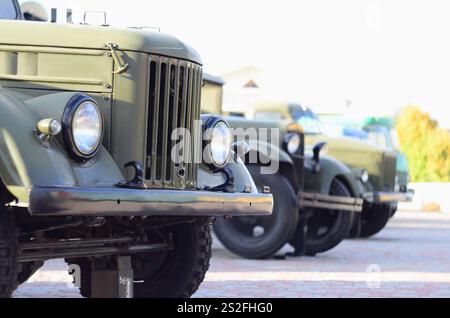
x=379, y=54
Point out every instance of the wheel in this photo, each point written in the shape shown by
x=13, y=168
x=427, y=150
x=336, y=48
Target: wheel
x=374, y=218
x=260, y=237
x=177, y=273
x=27, y=270
x=169, y=274
x=394, y=209
x=326, y=229
x=8, y=254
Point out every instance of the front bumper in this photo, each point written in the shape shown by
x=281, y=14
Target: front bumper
x=330, y=202
x=389, y=197
x=60, y=201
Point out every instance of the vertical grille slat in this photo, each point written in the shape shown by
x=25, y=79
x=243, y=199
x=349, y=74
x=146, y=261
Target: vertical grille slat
x=194, y=116
x=165, y=124
x=153, y=123
x=174, y=102
x=175, y=121
x=188, y=124
x=197, y=139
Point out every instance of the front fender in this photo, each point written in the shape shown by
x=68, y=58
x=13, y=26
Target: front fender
x=267, y=152
x=330, y=169
x=25, y=162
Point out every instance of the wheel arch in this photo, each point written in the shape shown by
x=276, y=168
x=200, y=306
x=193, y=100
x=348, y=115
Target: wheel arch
x=330, y=169
x=266, y=152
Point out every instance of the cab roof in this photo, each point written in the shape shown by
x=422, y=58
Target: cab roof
x=94, y=37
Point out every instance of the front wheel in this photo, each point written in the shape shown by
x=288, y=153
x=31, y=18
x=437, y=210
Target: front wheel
x=260, y=237
x=374, y=219
x=326, y=229
x=8, y=254
x=176, y=273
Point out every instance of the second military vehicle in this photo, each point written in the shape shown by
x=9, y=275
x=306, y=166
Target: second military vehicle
x=313, y=194
x=375, y=165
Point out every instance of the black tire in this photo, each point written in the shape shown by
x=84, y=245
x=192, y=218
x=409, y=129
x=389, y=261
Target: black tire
x=170, y=274
x=8, y=254
x=239, y=234
x=181, y=270
x=374, y=219
x=27, y=270
x=328, y=228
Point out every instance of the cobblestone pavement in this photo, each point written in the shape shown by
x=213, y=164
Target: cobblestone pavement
x=411, y=258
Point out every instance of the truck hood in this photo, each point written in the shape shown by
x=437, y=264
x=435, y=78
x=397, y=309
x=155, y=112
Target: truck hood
x=353, y=153
x=281, y=125
x=344, y=144
x=94, y=37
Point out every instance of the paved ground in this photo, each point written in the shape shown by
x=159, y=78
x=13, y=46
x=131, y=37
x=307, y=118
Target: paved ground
x=411, y=258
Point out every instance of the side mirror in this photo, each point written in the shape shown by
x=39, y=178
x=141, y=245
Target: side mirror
x=34, y=11
x=316, y=156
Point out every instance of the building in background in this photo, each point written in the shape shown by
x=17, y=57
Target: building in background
x=212, y=94
x=243, y=88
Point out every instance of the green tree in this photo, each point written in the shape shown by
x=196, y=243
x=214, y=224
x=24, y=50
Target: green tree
x=426, y=146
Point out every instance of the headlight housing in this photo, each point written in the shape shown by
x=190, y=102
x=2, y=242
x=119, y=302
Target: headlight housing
x=83, y=127
x=293, y=143
x=364, y=176
x=217, y=141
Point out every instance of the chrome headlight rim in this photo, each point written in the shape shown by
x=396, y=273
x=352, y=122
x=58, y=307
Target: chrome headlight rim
x=209, y=123
x=71, y=109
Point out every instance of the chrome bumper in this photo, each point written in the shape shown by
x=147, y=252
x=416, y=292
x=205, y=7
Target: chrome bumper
x=388, y=197
x=56, y=201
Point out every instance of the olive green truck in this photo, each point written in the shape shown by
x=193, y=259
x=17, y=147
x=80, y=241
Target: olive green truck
x=87, y=168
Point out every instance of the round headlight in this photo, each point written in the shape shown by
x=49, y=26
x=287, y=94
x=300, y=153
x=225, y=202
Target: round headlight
x=83, y=127
x=365, y=176
x=217, y=138
x=293, y=143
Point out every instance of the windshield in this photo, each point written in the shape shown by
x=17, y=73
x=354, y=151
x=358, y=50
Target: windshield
x=308, y=120
x=311, y=126
x=8, y=10
x=377, y=138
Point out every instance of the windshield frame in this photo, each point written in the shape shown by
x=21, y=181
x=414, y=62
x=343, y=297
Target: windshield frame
x=17, y=9
x=313, y=126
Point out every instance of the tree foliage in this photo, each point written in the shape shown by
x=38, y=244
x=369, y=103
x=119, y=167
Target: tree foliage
x=426, y=146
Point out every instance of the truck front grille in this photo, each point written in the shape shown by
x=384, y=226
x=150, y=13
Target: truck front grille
x=174, y=102
x=389, y=172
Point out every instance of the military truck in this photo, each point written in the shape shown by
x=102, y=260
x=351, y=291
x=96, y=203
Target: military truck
x=91, y=169
x=376, y=166
x=313, y=194
x=378, y=131
x=381, y=131
x=314, y=201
